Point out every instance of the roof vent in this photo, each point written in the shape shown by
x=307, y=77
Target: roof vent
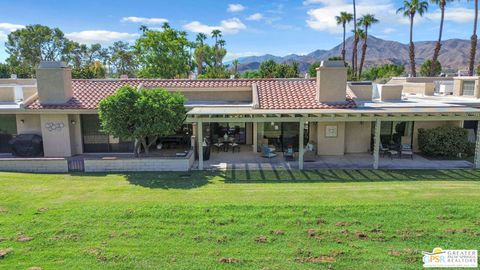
x=123, y=77
x=232, y=77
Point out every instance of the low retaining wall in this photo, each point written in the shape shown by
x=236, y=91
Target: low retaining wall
x=152, y=164
x=40, y=165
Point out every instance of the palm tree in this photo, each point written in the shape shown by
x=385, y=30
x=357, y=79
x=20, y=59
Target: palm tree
x=201, y=37
x=221, y=43
x=365, y=21
x=216, y=34
x=235, y=66
x=199, y=52
x=357, y=34
x=343, y=19
x=354, y=50
x=438, y=46
x=410, y=9
x=473, y=42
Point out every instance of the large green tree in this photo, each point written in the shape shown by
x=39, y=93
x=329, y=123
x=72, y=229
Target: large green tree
x=4, y=70
x=268, y=69
x=410, y=9
x=163, y=53
x=428, y=69
x=30, y=45
x=122, y=59
x=142, y=115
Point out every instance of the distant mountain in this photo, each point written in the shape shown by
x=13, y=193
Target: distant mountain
x=453, y=56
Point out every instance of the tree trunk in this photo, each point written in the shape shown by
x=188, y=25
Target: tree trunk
x=343, y=46
x=145, y=146
x=438, y=46
x=354, y=62
x=200, y=66
x=473, y=43
x=412, y=49
x=354, y=50
x=364, y=53
x=136, y=148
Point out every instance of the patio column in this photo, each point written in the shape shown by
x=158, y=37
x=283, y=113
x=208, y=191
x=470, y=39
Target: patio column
x=300, y=144
x=200, y=144
x=476, y=163
x=376, y=144
x=255, y=137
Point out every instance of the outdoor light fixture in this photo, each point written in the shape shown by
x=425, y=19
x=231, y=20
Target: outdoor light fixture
x=73, y=122
x=22, y=120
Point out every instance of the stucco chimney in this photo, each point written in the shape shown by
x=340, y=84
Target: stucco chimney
x=54, y=82
x=331, y=82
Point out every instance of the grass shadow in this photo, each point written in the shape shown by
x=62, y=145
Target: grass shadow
x=354, y=175
x=171, y=180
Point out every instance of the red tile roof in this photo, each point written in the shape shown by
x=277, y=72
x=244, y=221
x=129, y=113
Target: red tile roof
x=272, y=93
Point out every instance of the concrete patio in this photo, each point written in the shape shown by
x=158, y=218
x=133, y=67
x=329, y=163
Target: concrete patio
x=246, y=159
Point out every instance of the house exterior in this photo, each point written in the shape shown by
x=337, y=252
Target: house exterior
x=334, y=116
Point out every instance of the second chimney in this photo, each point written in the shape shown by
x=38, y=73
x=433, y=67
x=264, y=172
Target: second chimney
x=54, y=82
x=331, y=82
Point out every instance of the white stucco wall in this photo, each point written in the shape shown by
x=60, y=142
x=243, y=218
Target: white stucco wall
x=56, y=141
x=357, y=137
x=330, y=146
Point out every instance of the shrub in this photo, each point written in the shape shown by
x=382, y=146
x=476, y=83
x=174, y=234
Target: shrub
x=443, y=141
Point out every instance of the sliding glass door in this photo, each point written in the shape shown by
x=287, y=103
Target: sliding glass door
x=8, y=129
x=96, y=141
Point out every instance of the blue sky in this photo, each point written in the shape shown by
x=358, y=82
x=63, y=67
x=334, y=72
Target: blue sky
x=250, y=27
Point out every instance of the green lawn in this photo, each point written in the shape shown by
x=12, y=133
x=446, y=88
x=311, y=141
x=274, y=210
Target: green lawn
x=340, y=219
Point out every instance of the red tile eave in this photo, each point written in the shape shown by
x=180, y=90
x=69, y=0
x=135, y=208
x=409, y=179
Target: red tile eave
x=272, y=93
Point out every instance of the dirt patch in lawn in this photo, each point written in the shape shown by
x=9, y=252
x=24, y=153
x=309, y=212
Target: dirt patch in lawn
x=228, y=260
x=24, y=238
x=5, y=252
x=261, y=239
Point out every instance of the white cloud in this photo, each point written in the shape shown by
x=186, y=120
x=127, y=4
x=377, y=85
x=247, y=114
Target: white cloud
x=323, y=18
x=255, y=17
x=235, y=8
x=454, y=14
x=99, y=36
x=230, y=26
x=144, y=20
x=388, y=30
x=10, y=27
x=6, y=28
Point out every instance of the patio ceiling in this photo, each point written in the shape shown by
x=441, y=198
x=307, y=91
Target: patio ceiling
x=243, y=114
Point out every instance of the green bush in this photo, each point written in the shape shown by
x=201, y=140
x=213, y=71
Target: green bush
x=443, y=141
x=470, y=151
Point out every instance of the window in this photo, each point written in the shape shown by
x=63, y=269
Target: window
x=8, y=129
x=234, y=130
x=95, y=141
x=468, y=88
x=393, y=134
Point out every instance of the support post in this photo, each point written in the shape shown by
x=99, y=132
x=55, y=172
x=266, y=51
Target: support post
x=255, y=137
x=200, y=144
x=376, y=144
x=476, y=164
x=300, y=143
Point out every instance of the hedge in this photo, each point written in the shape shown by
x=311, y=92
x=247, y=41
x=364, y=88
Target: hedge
x=446, y=142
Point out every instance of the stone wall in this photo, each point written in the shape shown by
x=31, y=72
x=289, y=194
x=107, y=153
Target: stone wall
x=39, y=165
x=152, y=164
